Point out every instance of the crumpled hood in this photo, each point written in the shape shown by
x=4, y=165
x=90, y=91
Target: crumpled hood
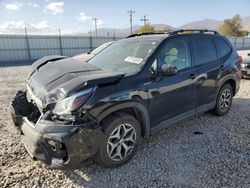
x=51, y=73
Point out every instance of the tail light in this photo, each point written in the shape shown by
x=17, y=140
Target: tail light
x=239, y=60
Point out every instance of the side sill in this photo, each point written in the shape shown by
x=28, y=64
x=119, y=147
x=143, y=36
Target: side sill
x=183, y=116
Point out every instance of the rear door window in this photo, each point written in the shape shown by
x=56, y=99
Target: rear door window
x=204, y=50
x=223, y=47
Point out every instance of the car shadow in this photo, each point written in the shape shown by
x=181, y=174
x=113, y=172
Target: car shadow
x=201, y=151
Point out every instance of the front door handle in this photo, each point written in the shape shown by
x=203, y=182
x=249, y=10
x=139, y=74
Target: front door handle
x=222, y=67
x=192, y=76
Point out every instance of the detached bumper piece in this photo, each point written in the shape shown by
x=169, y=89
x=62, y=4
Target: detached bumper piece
x=57, y=144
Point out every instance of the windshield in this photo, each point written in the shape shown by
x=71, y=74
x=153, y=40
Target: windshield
x=124, y=56
x=100, y=48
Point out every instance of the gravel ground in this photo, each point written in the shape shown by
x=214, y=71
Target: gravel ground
x=204, y=151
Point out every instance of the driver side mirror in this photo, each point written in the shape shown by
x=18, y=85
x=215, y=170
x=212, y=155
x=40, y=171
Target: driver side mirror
x=167, y=69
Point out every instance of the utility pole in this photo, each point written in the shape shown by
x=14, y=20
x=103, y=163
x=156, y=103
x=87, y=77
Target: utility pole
x=145, y=19
x=131, y=12
x=95, y=20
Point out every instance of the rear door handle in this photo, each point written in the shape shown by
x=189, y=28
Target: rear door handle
x=192, y=76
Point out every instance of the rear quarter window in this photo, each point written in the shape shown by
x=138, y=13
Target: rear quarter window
x=204, y=50
x=223, y=47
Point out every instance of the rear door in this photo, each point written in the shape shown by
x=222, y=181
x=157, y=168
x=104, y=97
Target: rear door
x=209, y=68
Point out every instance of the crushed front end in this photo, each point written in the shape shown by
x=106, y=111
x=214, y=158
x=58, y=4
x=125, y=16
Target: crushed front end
x=64, y=142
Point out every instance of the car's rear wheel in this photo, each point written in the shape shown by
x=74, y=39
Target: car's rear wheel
x=224, y=100
x=122, y=135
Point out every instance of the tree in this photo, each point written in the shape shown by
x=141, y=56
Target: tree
x=231, y=27
x=243, y=33
x=145, y=29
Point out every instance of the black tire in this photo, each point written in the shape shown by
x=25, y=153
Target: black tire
x=219, y=110
x=111, y=124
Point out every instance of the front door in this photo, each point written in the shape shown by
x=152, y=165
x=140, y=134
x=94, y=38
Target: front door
x=172, y=95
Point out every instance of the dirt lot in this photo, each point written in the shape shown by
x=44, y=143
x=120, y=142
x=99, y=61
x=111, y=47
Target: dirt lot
x=204, y=151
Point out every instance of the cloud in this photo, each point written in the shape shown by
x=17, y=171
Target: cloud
x=17, y=27
x=43, y=25
x=100, y=23
x=72, y=31
x=54, y=8
x=83, y=17
x=13, y=6
x=12, y=25
x=34, y=5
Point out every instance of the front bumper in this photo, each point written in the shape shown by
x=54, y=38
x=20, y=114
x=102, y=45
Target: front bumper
x=58, y=145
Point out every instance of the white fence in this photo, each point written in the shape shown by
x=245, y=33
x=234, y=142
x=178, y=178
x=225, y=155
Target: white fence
x=240, y=43
x=28, y=48
x=32, y=47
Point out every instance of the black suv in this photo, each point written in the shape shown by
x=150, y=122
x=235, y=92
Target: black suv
x=73, y=113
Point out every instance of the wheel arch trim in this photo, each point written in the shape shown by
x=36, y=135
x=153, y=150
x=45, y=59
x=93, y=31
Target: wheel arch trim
x=226, y=79
x=135, y=105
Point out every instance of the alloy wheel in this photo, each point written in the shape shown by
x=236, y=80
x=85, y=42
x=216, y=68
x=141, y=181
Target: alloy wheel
x=225, y=100
x=121, y=142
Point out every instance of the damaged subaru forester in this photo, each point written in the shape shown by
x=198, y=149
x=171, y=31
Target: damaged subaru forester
x=73, y=113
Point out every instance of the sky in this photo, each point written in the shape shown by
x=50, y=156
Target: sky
x=74, y=16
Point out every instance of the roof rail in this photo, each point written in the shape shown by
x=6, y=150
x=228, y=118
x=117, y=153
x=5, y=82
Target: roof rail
x=201, y=31
x=148, y=33
x=176, y=32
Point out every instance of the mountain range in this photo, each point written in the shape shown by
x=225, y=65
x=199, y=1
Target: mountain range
x=201, y=24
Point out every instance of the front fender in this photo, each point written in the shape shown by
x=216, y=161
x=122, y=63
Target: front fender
x=143, y=112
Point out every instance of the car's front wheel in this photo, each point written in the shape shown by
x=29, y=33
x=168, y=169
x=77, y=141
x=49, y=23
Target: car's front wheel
x=122, y=135
x=224, y=100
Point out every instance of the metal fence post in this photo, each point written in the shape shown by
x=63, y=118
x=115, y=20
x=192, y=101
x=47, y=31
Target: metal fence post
x=114, y=35
x=90, y=41
x=60, y=41
x=243, y=43
x=27, y=43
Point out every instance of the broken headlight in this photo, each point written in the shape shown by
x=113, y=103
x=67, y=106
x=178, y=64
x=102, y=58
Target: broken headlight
x=73, y=102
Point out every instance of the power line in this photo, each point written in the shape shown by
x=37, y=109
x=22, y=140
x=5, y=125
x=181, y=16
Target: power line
x=145, y=19
x=95, y=19
x=131, y=12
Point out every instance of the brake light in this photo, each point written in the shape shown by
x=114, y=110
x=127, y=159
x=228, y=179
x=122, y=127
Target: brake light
x=240, y=60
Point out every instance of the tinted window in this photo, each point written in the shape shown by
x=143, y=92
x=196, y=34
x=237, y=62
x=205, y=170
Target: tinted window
x=223, y=47
x=175, y=52
x=204, y=50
